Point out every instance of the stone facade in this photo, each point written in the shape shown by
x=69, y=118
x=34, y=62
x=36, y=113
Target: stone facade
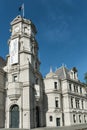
x=26, y=99
x=66, y=98
x=24, y=85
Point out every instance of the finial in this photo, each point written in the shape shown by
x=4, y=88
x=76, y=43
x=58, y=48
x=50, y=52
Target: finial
x=62, y=64
x=51, y=69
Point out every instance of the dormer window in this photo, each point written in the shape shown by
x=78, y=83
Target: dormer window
x=73, y=73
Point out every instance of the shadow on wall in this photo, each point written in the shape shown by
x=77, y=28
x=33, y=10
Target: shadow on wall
x=45, y=105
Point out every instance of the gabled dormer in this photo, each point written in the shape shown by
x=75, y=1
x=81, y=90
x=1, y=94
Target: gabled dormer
x=74, y=73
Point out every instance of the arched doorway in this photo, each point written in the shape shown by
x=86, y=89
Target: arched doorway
x=14, y=116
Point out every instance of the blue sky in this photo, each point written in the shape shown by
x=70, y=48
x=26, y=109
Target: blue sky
x=62, y=31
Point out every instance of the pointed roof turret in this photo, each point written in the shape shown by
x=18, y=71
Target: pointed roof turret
x=50, y=74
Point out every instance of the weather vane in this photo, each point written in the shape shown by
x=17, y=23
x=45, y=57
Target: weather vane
x=21, y=8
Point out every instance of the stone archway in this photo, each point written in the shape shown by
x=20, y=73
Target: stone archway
x=14, y=116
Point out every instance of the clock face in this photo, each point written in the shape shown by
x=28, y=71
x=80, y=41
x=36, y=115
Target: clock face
x=14, y=51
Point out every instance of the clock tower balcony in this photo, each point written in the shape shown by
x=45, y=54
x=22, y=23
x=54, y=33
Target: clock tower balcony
x=14, y=90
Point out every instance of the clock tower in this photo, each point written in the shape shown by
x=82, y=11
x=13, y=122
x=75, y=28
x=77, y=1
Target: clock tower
x=24, y=85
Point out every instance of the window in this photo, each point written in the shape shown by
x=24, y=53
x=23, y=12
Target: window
x=71, y=102
x=80, y=90
x=77, y=103
x=70, y=88
x=55, y=85
x=56, y=102
x=74, y=118
x=15, y=78
x=77, y=89
x=74, y=88
x=51, y=118
x=82, y=105
x=84, y=118
x=80, y=118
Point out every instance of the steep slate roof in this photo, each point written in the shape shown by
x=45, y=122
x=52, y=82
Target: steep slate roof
x=2, y=62
x=62, y=72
